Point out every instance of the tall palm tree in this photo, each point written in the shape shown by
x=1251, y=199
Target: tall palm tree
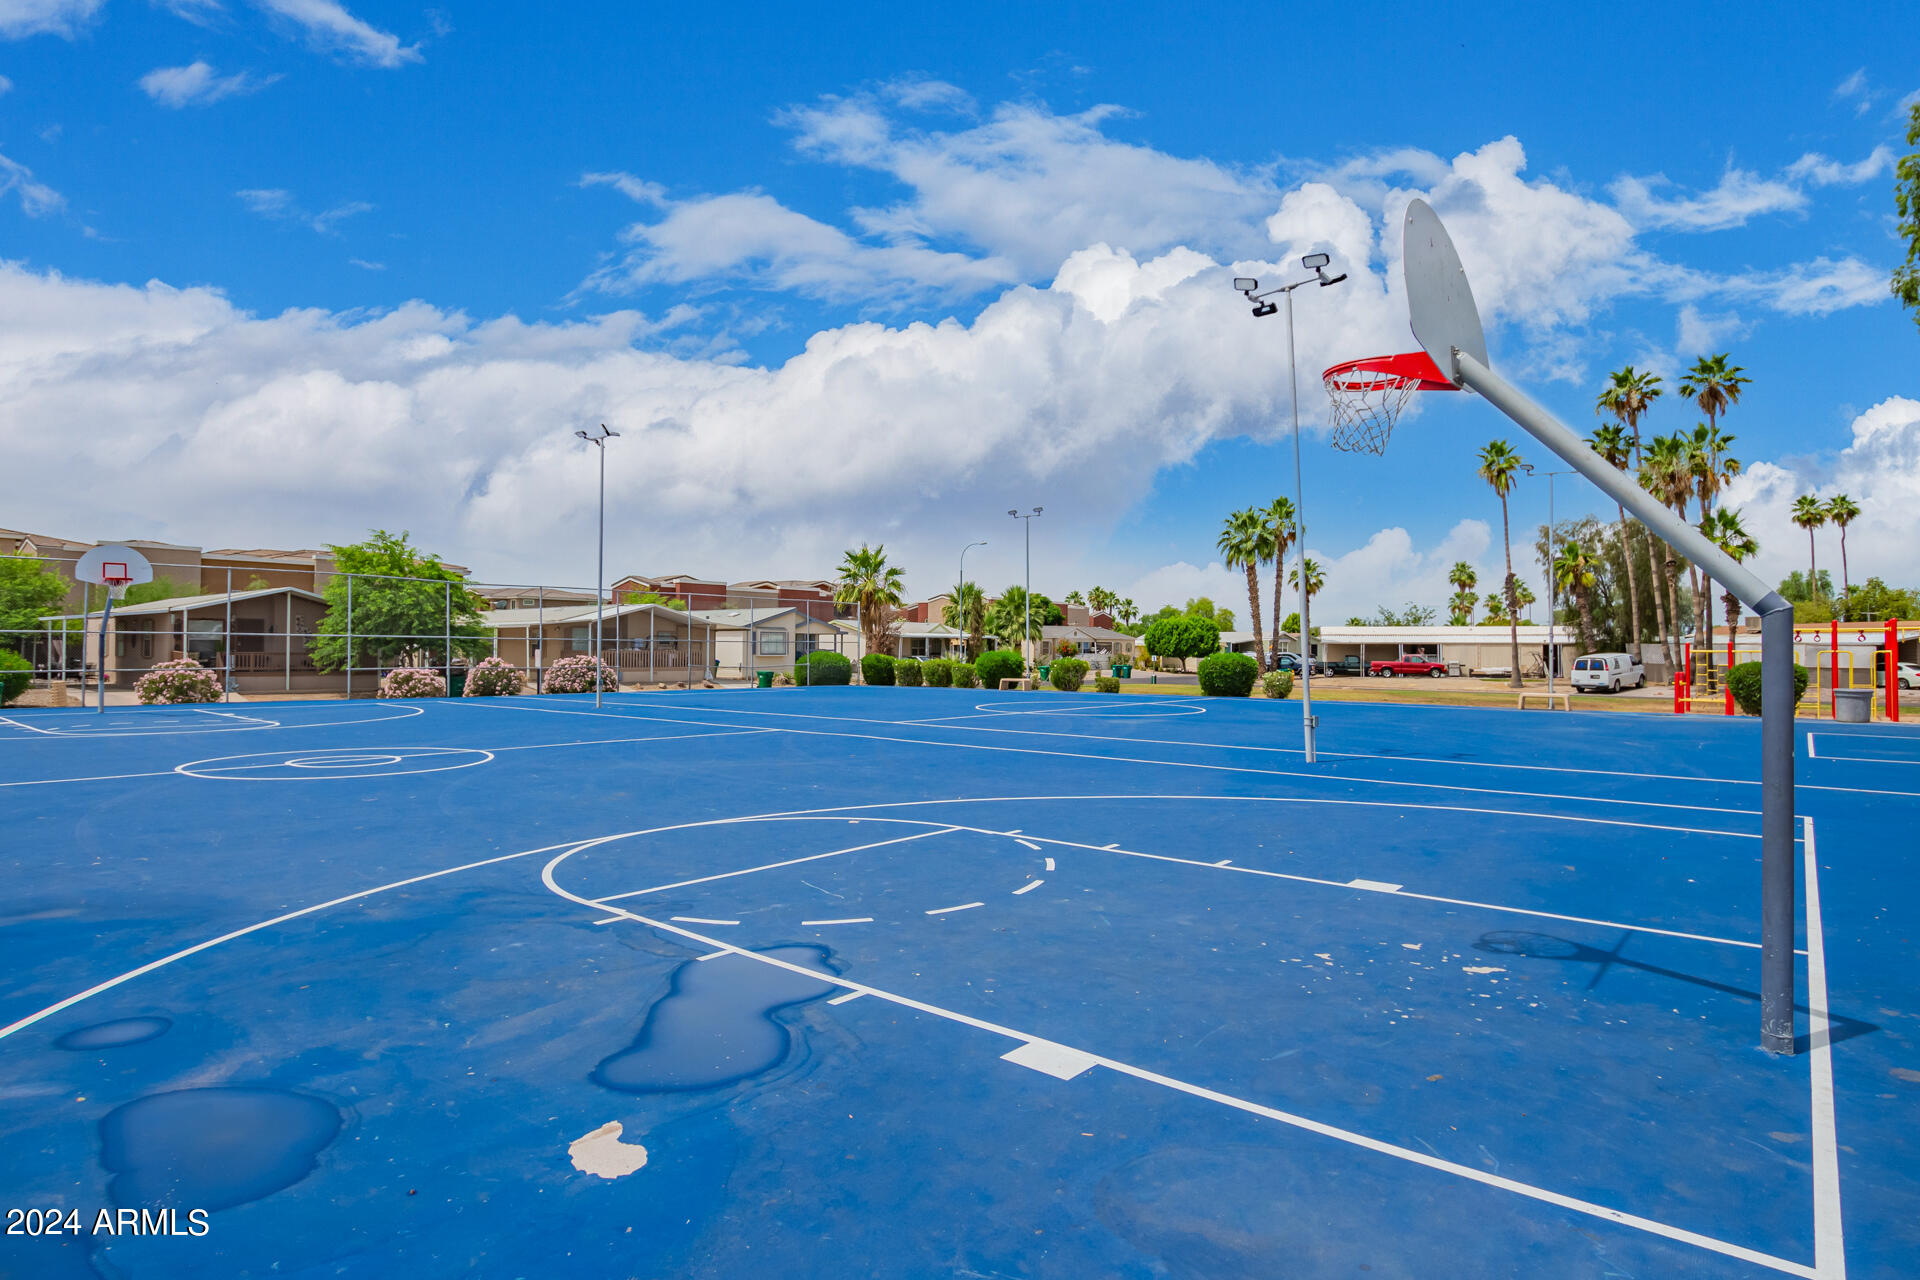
x=1282, y=529
x=1524, y=598
x=1496, y=606
x=1573, y=574
x=1009, y=616
x=1316, y=578
x=1101, y=600
x=1810, y=513
x=1500, y=468
x=967, y=611
x=1841, y=511
x=1726, y=531
x=1627, y=396
x=867, y=580
x=1463, y=580
x=1714, y=384
x=1611, y=443
x=1713, y=467
x=1665, y=474
x=1245, y=544
x=1126, y=610
x=1073, y=597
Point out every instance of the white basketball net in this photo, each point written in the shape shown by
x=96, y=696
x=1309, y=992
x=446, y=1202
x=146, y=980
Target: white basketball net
x=1366, y=404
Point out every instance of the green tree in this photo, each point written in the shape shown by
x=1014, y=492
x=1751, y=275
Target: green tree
x=966, y=610
x=1795, y=587
x=1496, y=607
x=1726, y=531
x=1611, y=444
x=654, y=597
x=1245, y=544
x=1500, y=468
x=29, y=591
x=1126, y=611
x=1282, y=530
x=1182, y=636
x=1573, y=574
x=405, y=603
x=1627, y=396
x=1877, y=602
x=1906, y=201
x=1524, y=600
x=876, y=587
x=1666, y=473
x=1316, y=579
x=1463, y=580
x=1010, y=613
x=1810, y=513
x=1841, y=512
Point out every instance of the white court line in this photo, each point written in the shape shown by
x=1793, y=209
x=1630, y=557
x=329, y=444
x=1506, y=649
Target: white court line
x=1030, y=844
x=702, y=920
x=1224, y=862
x=1869, y=760
x=235, y=715
x=1050, y=860
x=1811, y=753
x=105, y=777
x=1471, y=1174
x=1028, y=887
x=814, y=924
x=965, y=906
x=715, y=955
x=726, y=731
x=851, y=995
x=392, y=713
x=1829, y=1241
x=1378, y=886
x=198, y=947
x=814, y=857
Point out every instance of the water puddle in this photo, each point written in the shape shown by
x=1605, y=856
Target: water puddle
x=116, y=1034
x=213, y=1148
x=716, y=1025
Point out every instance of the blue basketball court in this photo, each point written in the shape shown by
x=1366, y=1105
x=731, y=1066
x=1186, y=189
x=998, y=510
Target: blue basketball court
x=913, y=982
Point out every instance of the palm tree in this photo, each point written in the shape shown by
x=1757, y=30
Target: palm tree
x=1665, y=474
x=1810, y=513
x=1725, y=530
x=1627, y=396
x=1496, y=609
x=1245, y=544
x=868, y=581
x=967, y=611
x=1524, y=598
x=1009, y=615
x=1316, y=578
x=1611, y=444
x=1842, y=510
x=1281, y=528
x=1463, y=580
x=1573, y=573
x=1126, y=610
x=1074, y=597
x=1712, y=469
x=1714, y=385
x=1460, y=608
x=1101, y=600
x=1500, y=468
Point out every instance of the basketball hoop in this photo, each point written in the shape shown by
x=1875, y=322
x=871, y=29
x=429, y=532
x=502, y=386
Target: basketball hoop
x=1368, y=396
x=117, y=587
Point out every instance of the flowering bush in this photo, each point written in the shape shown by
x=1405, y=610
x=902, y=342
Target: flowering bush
x=181, y=680
x=1277, y=684
x=413, y=682
x=493, y=678
x=575, y=675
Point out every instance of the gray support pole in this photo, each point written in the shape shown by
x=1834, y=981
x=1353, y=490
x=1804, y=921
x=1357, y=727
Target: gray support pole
x=227, y=639
x=1776, y=683
x=446, y=620
x=651, y=678
x=86, y=625
x=1308, y=721
x=1028, y=637
x=599, y=586
x=286, y=674
x=349, y=637
x=100, y=673
x=538, y=651
x=1550, y=653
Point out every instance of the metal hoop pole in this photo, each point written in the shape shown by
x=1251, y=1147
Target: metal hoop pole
x=1307, y=721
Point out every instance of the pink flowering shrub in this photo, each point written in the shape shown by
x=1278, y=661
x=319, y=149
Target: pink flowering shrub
x=413, y=682
x=181, y=680
x=493, y=678
x=575, y=675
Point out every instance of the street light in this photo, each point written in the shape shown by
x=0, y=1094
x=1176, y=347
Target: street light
x=960, y=605
x=600, y=571
x=1028, y=636
x=1316, y=263
x=1552, y=651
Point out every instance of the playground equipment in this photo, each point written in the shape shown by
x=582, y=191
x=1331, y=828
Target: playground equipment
x=1839, y=656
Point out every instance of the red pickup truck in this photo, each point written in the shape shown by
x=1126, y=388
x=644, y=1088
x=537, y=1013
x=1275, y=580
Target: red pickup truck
x=1415, y=666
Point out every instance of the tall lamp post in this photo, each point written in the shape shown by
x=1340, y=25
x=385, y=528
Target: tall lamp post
x=1552, y=650
x=600, y=569
x=1027, y=637
x=960, y=605
x=1316, y=263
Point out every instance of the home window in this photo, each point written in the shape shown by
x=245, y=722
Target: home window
x=579, y=639
x=770, y=644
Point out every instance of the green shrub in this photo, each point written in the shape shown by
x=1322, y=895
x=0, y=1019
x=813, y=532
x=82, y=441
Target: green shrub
x=876, y=669
x=937, y=672
x=575, y=673
x=19, y=674
x=1277, y=684
x=1744, y=680
x=996, y=665
x=823, y=666
x=1228, y=675
x=1106, y=684
x=1184, y=636
x=401, y=682
x=906, y=671
x=964, y=676
x=182, y=680
x=1067, y=673
x=493, y=678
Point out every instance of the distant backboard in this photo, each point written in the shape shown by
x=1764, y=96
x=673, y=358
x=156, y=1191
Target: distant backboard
x=1439, y=301
x=113, y=564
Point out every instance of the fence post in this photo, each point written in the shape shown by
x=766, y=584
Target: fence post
x=650, y=628
x=349, y=637
x=1727, y=684
x=1893, y=670
x=446, y=655
x=538, y=653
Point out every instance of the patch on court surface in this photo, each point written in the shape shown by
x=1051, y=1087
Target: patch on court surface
x=910, y=982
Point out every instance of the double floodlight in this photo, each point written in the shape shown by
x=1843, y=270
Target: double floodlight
x=606, y=433
x=1016, y=515
x=1314, y=262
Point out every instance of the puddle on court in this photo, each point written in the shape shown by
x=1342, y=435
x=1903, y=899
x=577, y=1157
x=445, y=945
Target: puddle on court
x=213, y=1148
x=115, y=1034
x=716, y=1024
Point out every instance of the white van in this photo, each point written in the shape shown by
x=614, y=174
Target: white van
x=1610, y=671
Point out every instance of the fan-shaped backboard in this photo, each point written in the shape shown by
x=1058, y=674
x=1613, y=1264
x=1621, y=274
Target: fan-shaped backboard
x=113, y=562
x=1439, y=301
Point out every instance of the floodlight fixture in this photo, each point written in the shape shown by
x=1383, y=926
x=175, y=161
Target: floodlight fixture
x=1315, y=261
x=1326, y=280
x=1266, y=309
x=1245, y=284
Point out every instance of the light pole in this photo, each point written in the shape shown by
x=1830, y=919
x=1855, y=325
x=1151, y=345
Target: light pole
x=600, y=568
x=1027, y=637
x=1552, y=651
x=1316, y=263
x=960, y=605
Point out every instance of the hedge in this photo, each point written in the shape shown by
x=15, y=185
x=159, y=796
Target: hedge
x=964, y=676
x=823, y=666
x=493, y=678
x=1277, y=684
x=1106, y=684
x=906, y=671
x=996, y=665
x=18, y=675
x=876, y=669
x=1228, y=675
x=1066, y=674
x=937, y=672
x=1744, y=681
x=575, y=674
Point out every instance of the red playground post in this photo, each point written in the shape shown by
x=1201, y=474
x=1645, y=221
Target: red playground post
x=1893, y=670
x=1833, y=672
x=1727, y=683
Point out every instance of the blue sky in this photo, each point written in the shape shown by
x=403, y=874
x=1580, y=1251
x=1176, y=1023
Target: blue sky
x=292, y=268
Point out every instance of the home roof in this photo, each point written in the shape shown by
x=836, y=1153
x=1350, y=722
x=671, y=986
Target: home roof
x=568, y=611
x=1442, y=634
x=1085, y=632
x=741, y=617
x=183, y=604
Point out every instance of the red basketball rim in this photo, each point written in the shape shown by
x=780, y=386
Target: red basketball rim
x=1410, y=368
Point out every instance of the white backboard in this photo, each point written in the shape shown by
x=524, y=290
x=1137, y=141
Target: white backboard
x=113, y=561
x=1439, y=301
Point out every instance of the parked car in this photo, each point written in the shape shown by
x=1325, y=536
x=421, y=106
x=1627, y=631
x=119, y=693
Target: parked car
x=1610, y=671
x=1411, y=666
x=1909, y=675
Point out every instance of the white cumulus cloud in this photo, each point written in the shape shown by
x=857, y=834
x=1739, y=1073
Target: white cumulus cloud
x=20, y=18
x=328, y=25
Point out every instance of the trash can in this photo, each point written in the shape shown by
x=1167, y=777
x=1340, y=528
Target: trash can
x=457, y=682
x=1123, y=669
x=1044, y=668
x=1853, y=706
x=766, y=679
